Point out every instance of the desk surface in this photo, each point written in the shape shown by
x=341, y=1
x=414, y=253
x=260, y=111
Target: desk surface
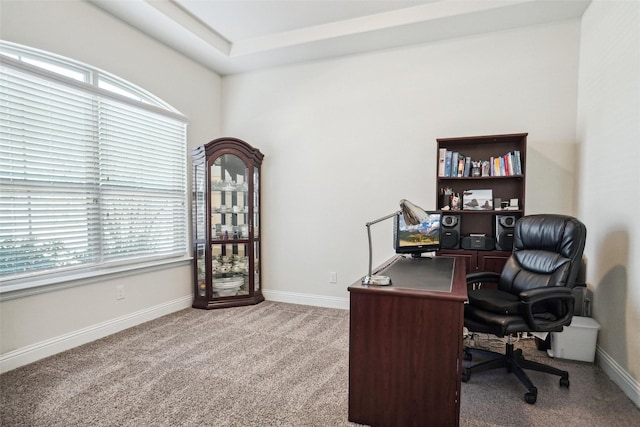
x=437, y=277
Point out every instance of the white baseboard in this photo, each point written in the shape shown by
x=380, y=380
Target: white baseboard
x=306, y=299
x=37, y=351
x=629, y=385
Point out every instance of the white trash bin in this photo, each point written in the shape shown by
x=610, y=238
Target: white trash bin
x=577, y=341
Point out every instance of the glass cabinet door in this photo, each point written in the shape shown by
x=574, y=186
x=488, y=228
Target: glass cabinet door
x=256, y=227
x=229, y=198
x=199, y=209
x=230, y=269
x=199, y=204
x=201, y=271
x=229, y=226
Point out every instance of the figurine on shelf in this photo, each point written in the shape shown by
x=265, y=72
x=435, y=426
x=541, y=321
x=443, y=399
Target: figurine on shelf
x=455, y=202
x=486, y=168
x=476, y=168
x=445, y=198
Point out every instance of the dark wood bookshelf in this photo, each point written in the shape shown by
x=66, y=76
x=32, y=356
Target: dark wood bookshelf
x=505, y=188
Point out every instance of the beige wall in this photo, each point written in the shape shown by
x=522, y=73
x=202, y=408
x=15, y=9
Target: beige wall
x=59, y=319
x=346, y=139
x=609, y=181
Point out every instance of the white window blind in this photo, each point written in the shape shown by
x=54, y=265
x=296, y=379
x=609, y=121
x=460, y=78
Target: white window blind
x=143, y=206
x=86, y=179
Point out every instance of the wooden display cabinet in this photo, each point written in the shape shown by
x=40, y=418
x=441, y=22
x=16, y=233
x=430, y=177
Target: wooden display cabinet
x=504, y=187
x=226, y=224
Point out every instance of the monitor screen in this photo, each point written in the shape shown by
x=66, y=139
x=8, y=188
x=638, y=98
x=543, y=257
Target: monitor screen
x=417, y=239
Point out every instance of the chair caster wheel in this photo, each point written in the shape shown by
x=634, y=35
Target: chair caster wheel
x=530, y=398
x=465, y=376
x=564, y=382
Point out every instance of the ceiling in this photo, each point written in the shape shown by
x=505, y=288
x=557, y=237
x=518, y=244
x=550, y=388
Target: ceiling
x=243, y=35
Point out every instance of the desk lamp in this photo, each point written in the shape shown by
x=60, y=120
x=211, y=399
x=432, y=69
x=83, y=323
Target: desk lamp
x=413, y=215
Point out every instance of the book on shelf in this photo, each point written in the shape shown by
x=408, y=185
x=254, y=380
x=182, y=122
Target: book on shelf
x=518, y=164
x=460, y=166
x=467, y=166
x=447, y=165
x=442, y=154
x=454, y=164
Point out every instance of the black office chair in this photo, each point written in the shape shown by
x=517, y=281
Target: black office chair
x=534, y=294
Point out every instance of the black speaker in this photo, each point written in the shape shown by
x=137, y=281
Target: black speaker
x=503, y=231
x=450, y=231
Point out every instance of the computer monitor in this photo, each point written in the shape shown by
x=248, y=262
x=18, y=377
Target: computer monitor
x=417, y=239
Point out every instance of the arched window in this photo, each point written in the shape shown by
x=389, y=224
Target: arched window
x=92, y=170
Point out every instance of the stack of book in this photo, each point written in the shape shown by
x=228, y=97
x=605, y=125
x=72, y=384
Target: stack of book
x=455, y=164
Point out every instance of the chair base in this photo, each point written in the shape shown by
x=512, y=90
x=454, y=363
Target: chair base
x=515, y=363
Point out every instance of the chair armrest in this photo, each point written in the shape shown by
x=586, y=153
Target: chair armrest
x=547, y=292
x=533, y=296
x=483, y=277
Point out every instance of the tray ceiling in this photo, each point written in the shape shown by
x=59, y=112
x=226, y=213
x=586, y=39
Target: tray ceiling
x=237, y=36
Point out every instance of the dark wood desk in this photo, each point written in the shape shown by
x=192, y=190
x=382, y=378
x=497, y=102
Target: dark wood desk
x=405, y=345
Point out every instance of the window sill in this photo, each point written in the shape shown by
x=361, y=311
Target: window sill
x=50, y=284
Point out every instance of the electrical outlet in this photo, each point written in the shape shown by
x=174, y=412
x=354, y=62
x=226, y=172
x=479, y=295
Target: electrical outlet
x=120, y=292
x=333, y=277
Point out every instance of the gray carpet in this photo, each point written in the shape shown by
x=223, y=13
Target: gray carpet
x=272, y=364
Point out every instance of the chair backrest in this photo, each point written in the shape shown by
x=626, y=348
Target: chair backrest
x=547, y=251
